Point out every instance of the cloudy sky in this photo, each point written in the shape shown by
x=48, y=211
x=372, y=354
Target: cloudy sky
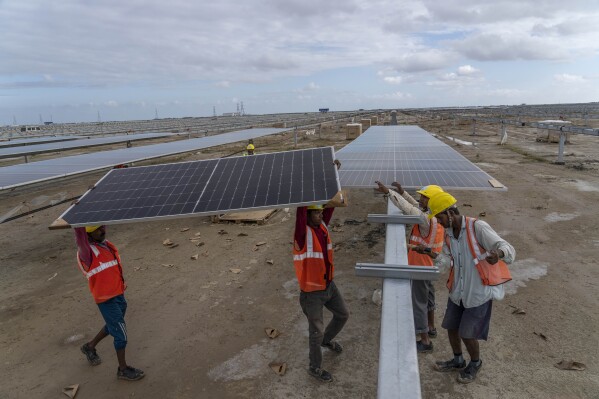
x=70, y=60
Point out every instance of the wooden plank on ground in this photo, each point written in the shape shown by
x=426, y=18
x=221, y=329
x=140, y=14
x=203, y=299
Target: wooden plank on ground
x=253, y=216
x=496, y=183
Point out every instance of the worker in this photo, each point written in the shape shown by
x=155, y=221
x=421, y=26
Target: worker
x=249, y=150
x=314, y=268
x=426, y=243
x=479, y=258
x=100, y=263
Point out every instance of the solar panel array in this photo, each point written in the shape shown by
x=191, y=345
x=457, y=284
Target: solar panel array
x=410, y=156
x=70, y=145
x=214, y=186
x=36, y=140
x=33, y=172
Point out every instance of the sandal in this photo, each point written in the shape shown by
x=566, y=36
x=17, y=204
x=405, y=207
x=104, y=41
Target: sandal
x=92, y=356
x=432, y=333
x=333, y=345
x=321, y=374
x=449, y=365
x=130, y=374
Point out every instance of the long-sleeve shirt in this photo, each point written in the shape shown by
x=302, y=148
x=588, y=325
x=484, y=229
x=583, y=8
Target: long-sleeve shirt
x=467, y=285
x=301, y=227
x=409, y=206
x=83, y=248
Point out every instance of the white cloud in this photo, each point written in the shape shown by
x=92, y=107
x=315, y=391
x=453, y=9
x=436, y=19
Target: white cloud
x=223, y=84
x=499, y=47
x=467, y=70
x=568, y=78
x=111, y=103
x=423, y=60
x=394, y=80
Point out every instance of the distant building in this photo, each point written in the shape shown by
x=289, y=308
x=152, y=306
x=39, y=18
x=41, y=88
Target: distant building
x=230, y=113
x=30, y=128
x=323, y=110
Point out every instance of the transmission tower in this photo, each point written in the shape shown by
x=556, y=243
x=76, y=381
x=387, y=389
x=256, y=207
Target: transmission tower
x=242, y=112
x=237, y=108
x=41, y=121
x=99, y=119
x=214, y=111
x=156, y=113
x=14, y=120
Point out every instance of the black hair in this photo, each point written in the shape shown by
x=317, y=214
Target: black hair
x=455, y=210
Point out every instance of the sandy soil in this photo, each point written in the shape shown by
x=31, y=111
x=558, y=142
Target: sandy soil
x=197, y=328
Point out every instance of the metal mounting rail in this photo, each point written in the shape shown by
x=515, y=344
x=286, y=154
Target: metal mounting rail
x=397, y=271
x=392, y=219
x=398, y=363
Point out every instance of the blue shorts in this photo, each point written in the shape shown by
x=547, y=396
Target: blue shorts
x=113, y=312
x=472, y=323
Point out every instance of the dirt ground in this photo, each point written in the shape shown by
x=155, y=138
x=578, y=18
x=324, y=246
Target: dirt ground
x=197, y=328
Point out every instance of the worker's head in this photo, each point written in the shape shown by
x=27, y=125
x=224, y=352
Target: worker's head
x=315, y=215
x=96, y=233
x=442, y=206
x=426, y=193
x=250, y=149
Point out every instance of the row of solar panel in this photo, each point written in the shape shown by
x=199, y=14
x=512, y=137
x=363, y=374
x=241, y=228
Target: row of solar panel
x=73, y=144
x=28, y=173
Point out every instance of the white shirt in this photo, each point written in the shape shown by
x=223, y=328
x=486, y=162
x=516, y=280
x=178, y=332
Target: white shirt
x=467, y=285
x=409, y=206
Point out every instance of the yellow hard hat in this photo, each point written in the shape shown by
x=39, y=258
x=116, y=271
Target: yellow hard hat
x=91, y=229
x=440, y=202
x=250, y=147
x=430, y=190
x=316, y=207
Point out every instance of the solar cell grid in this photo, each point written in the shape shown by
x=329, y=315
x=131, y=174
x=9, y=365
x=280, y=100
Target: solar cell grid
x=410, y=155
x=209, y=187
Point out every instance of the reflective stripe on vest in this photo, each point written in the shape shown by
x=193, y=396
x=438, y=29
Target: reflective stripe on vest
x=309, y=262
x=434, y=241
x=101, y=268
x=104, y=280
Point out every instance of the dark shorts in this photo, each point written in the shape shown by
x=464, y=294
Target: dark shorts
x=472, y=323
x=113, y=311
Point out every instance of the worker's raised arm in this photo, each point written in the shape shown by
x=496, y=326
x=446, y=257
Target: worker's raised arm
x=301, y=225
x=83, y=249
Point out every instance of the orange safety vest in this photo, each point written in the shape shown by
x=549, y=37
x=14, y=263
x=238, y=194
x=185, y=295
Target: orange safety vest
x=491, y=275
x=105, y=274
x=310, y=267
x=434, y=241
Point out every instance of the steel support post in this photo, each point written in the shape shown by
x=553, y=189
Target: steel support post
x=562, y=142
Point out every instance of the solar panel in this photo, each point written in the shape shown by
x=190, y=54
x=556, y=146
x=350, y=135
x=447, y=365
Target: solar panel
x=34, y=172
x=291, y=178
x=83, y=143
x=37, y=140
x=411, y=156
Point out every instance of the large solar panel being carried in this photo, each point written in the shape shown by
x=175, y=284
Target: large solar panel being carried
x=291, y=178
x=34, y=172
x=411, y=156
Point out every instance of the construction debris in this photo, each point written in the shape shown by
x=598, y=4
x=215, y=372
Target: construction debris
x=195, y=257
x=236, y=271
x=184, y=229
x=570, y=365
x=222, y=232
x=260, y=243
x=279, y=368
x=272, y=333
x=270, y=261
x=167, y=242
x=71, y=390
